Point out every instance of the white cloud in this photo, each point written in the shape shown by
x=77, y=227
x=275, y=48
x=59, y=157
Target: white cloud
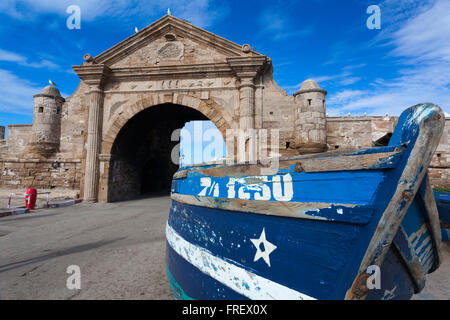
x=200, y=12
x=354, y=66
x=344, y=78
x=8, y=56
x=320, y=79
x=349, y=81
x=16, y=95
x=420, y=41
x=427, y=36
x=345, y=96
x=11, y=57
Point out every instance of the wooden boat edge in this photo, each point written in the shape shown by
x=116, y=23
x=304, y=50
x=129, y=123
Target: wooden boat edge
x=431, y=126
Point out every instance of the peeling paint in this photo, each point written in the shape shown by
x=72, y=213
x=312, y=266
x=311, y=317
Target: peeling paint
x=231, y=275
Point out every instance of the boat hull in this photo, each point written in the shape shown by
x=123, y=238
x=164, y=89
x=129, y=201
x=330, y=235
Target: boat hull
x=351, y=225
x=203, y=242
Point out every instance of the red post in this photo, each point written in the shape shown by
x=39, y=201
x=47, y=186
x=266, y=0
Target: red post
x=30, y=198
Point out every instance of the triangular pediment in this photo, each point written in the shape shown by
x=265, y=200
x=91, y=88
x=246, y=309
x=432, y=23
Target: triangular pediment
x=171, y=41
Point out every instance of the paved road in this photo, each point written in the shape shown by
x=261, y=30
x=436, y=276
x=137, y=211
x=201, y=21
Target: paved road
x=120, y=249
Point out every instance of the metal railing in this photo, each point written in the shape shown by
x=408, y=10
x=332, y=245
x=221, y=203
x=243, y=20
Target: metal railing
x=13, y=195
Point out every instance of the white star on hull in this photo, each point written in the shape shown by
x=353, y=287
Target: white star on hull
x=266, y=251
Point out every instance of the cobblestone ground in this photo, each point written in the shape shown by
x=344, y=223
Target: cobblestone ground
x=119, y=247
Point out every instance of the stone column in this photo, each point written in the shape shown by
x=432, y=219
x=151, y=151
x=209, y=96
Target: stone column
x=247, y=68
x=93, y=144
x=247, y=104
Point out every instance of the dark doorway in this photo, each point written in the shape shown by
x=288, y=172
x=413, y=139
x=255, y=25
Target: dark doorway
x=141, y=154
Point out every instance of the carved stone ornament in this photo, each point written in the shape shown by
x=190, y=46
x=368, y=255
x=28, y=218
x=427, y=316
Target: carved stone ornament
x=173, y=50
x=246, y=48
x=88, y=58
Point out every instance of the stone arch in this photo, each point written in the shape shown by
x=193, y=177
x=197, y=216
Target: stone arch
x=212, y=110
x=110, y=161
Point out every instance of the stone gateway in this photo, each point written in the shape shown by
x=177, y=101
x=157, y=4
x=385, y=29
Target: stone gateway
x=111, y=138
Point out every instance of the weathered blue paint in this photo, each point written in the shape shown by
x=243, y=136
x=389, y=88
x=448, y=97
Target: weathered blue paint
x=419, y=236
x=309, y=187
x=177, y=292
x=396, y=284
x=443, y=205
x=191, y=278
x=348, y=221
x=445, y=233
x=227, y=234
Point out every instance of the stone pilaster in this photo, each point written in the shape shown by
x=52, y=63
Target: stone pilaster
x=246, y=70
x=94, y=75
x=247, y=104
x=93, y=144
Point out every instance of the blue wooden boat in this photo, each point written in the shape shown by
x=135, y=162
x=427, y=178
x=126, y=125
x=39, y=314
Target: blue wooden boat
x=346, y=225
x=443, y=206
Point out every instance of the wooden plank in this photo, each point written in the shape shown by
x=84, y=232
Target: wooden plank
x=326, y=163
x=352, y=213
x=372, y=161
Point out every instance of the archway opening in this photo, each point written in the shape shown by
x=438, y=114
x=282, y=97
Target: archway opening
x=141, y=162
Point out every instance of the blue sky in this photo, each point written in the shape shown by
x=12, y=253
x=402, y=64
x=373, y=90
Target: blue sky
x=381, y=71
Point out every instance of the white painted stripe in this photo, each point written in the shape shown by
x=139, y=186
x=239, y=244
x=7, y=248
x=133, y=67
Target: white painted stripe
x=238, y=279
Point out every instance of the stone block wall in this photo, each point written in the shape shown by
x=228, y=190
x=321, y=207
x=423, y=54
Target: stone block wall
x=74, y=125
x=349, y=133
x=19, y=136
x=345, y=133
x=37, y=173
x=21, y=163
x=440, y=164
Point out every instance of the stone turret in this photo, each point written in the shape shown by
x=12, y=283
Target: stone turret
x=46, y=130
x=310, y=118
